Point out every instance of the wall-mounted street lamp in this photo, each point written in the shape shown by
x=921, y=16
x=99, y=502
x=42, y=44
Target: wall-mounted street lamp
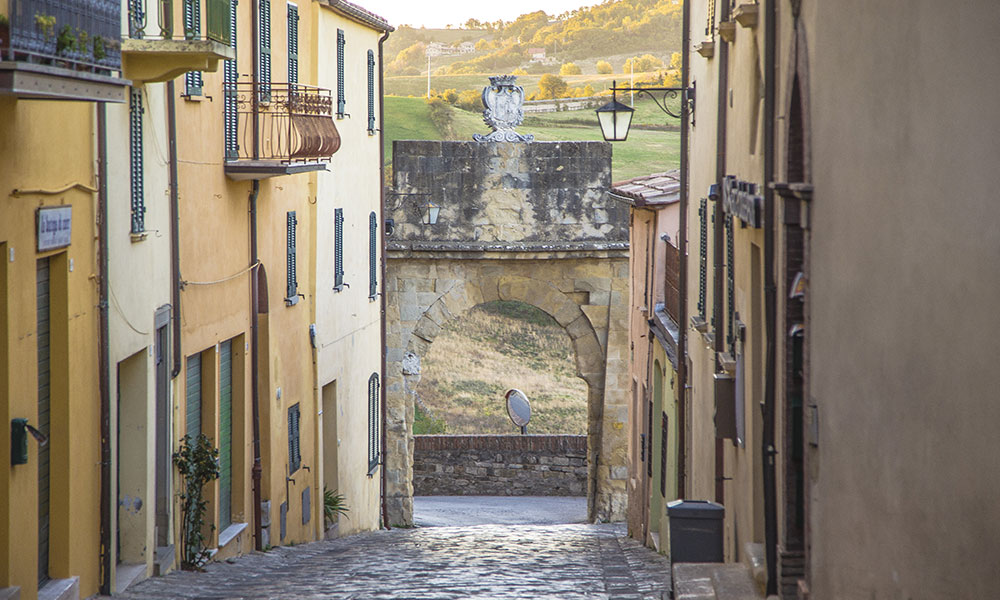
x=429, y=213
x=615, y=117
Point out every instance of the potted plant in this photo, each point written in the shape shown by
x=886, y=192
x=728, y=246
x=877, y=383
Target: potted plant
x=198, y=463
x=334, y=506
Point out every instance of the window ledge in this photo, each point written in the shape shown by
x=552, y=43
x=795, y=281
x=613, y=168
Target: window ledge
x=291, y=301
x=138, y=236
x=231, y=533
x=340, y=288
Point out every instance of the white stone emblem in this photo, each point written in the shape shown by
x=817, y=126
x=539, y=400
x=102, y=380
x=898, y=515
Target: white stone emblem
x=504, y=102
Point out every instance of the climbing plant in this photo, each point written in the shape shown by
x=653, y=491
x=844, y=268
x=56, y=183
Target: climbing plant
x=198, y=464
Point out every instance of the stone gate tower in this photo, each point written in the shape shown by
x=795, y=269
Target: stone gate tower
x=530, y=222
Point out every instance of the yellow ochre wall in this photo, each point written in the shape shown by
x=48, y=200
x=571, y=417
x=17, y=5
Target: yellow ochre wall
x=34, y=136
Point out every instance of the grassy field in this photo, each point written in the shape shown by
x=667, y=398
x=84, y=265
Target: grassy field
x=477, y=358
x=645, y=152
x=416, y=85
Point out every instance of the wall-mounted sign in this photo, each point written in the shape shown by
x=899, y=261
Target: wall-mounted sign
x=55, y=227
x=741, y=199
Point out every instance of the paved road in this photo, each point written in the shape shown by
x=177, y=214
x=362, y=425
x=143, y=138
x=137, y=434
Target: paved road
x=569, y=562
x=445, y=511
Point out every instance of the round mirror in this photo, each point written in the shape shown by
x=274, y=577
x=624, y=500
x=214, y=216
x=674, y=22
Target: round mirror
x=518, y=408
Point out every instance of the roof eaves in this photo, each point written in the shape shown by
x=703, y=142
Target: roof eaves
x=361, y=15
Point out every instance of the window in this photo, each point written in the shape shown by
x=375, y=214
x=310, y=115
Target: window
x=265, y=50
x=293, y=43
x=292, y=296
x=192, y=29
x=230, y=107
x=373, y=424
x=294, y=454
x=341, y=104
x=372, y=256
x=371, y=92
x=135, y=111
x=338, y=249
x=703, y=256
x=730, y=288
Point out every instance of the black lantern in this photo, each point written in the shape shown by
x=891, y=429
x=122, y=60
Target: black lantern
x=615, y=119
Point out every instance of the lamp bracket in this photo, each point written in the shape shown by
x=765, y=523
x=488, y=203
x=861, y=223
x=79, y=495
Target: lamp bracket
x=660, y=95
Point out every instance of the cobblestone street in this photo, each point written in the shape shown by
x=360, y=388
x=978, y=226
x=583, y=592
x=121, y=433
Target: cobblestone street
x=489, y=561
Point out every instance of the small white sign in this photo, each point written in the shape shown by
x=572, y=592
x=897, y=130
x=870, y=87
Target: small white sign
x=55, y=227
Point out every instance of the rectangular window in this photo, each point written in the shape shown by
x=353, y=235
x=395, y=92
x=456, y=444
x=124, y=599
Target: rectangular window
x=193, y=82
x=374, y=419
x=292, y=296
x=338, y=249
x=294, y=455
x=265, y=50
x=293, y=43
x=193, y=394
x=371, y=92
x=703, y=256
x=135, y=112
x=372, y=256
x=341, y=103
x=230, y=107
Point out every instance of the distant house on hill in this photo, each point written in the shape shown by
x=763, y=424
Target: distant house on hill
x=537, y=54
x=466, y=48
x=439, y=49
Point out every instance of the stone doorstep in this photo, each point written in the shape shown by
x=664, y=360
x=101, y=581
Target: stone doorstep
x=10, y=593
x=60, y=589
x=163, y=560
x=127, y=574
x=714, y=581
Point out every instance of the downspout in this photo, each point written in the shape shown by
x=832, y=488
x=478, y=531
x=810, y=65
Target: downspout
x=717, y=242
x=175, y=256
x=255, y=470
x=682, y=248
x=770, y=308
x=381, y=174
x=103, y=358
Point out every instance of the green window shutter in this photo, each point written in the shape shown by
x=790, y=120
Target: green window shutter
x=292, y=282
x=371, y=92
x=703, y=256
x=730, y=288
x=341, y=103
x=193, y=393
x=294, y=455
x=293, y=44
x=225, y=434
x=374, y=418
x=664, y=433
x=265, y=49
x=135, y=162
x=220, y=26
x=193, y=83
x=372, y=256
x=338, y=248
x=230, y=107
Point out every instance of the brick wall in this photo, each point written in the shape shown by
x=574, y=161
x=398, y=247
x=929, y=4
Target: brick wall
x=500, y=465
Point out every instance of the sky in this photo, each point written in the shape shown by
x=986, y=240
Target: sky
x=438, y=13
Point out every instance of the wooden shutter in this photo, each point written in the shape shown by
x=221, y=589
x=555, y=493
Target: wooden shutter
x=293, y=44
x=135, y=162
x=294, y=456
x=225, y=434
x=341, y=103
x=265, y=49
x=220, y=26
x=373, y=423
x=292, y=282
x=703, y=255
x=44, y=400
x=730, y=288
x=230, y=107
x=371, y=92
x=649, y=432
x=372, y=256
x=338, y=248
x=664, y=432
x=193, y=393
x=193, y=82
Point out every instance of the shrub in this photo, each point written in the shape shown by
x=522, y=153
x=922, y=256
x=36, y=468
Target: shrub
x=604, y=67
x=198, y=464
x=569, y=69
x=551, y=86
x=334, y=505
x=470, y=100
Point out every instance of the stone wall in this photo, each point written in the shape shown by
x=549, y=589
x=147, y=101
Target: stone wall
x=500, y=465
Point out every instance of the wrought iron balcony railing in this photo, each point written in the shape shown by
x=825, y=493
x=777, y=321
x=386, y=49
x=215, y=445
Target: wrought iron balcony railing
x=154, y=19
x=76, y=34
x=294, y=123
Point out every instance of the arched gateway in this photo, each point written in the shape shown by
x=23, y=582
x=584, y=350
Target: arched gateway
x=518, y=221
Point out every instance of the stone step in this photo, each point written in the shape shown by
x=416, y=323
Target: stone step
x=128, y=574
x=755, y=559
x=60, y=589
x=715, y=581
x=163, y=561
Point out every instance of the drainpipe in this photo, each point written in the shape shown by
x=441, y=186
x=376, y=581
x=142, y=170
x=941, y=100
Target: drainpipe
x=103, y=359
x=175, y=255
x=254, y=287
x=718, y=231
x=682, y=249
x=770, y=308
x=381, y=174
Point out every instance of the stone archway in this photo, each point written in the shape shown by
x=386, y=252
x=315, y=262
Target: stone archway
x=581, y=280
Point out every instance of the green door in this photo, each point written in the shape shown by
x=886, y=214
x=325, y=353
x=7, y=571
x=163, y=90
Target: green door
x=42, y=300
x=225, y=434
x=193, y=393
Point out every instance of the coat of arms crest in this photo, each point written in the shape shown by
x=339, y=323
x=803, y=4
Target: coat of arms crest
x=504, y=102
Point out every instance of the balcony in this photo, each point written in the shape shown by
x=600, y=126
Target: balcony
x=62, y=50
x=156, y=50
x=278, y=129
